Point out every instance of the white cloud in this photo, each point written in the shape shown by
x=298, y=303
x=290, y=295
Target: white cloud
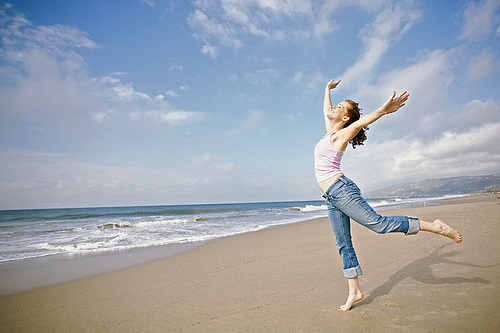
x=482, y=65
x=173, y=117
x=150, y=3
x=120, y=91
x=203, y=159
x=308, y=80
x=60, y=35
x=211, y=163
x=17, y=32
x=176, y=67
x=39, y=180
x=323, y=23
x=472, y=152
x=263, y=77
x=207, y=28
x=231, y=22
x=44, y=81
x=102, y=115
x=454, y=144
x=473, y=114
x=426, y=79
x=127, y=103
x=253, y=119
x=41, y=76
x=171, y=93
x=32, y=180
x=210, y=50
x=43, y=92
x=480, y=18
x=387, y=27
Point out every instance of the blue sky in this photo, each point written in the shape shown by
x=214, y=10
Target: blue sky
x=106, y=103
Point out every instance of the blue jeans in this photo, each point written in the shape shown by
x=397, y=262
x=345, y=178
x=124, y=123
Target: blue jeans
x=345, y=203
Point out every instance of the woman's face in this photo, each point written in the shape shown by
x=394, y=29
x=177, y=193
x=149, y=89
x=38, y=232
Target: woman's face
x=339, y=111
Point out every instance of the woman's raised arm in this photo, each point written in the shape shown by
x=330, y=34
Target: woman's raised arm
x=390, y=106
x=327, y=102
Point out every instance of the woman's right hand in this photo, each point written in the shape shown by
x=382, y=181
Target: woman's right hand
x=332, y=84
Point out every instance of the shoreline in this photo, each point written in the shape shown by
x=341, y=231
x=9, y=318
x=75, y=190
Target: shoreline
x=288, y=279
x=32, y=273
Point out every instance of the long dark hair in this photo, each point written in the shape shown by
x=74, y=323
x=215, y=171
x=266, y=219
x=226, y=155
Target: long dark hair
x=354, y=113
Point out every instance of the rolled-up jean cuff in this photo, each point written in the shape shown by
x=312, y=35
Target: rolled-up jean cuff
x=413, y=225
x=351, y=273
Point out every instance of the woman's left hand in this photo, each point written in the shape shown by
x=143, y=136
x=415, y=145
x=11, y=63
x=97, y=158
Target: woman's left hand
x=395, y=103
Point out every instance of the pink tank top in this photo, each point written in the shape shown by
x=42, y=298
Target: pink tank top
x=326, y=159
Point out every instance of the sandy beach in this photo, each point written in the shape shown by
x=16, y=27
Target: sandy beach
x=289, y=279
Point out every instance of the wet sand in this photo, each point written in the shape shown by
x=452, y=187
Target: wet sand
x=289, y=279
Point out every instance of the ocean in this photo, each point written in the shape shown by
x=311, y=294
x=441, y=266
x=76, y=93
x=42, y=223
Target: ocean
x=26, y=234
x=42, y=247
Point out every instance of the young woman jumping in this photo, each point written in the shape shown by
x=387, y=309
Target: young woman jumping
x=343, y=126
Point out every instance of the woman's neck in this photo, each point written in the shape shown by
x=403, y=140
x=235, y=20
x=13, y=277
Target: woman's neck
x=335, y=127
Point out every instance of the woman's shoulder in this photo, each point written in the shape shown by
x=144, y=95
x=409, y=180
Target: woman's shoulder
x=339, y=140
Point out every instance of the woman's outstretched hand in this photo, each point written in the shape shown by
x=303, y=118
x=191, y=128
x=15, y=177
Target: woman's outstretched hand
x=332, y=84
x=395, y=103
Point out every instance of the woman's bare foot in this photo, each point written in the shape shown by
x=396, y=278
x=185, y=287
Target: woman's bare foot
x=441, y=228
x=445, y=230
x=354, y=294
x=351, y=300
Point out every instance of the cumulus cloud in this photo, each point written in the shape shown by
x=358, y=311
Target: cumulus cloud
x=387, y=27
x=253, y=119
x=150, y=3
x=38, y=180
x=212, y=163
x=263, y=77
x=308, y=80
x=230, y=23
x=171, y=93
x=207, y=29
x=41, y=76
x=427, y=79
x=451, y=153
x=44, y=81
x=41, y=87
x=210, y=50
x=475, y=113
x=482, y=65
x=480, y=18
x=18, y=33
x=120, y=91
x=33, y=179
x=172, y=117
x=118, y=100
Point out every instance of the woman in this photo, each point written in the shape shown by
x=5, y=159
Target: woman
x=343, y=126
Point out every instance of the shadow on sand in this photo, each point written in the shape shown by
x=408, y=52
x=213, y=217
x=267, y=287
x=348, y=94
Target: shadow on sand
x=421, y=271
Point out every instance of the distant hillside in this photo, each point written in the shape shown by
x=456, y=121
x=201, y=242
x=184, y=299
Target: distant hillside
x=440, y=187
